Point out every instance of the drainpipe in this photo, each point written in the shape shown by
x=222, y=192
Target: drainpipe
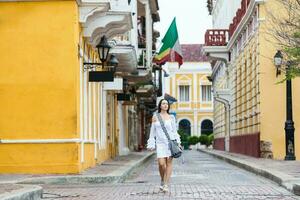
x=227, y=119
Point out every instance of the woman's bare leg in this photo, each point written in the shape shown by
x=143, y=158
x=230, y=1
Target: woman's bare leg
x=168, y=170
x=162, y=168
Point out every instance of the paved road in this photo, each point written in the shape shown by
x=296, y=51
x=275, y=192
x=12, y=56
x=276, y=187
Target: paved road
x=199, y=177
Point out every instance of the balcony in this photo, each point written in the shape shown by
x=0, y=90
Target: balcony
x=218, y=41
x=240, y=13
x=216, y=37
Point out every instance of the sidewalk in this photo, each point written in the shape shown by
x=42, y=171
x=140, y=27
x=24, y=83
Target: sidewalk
x=285, y=173
x=110, y=171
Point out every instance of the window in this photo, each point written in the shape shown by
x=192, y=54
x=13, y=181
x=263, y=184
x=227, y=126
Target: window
x=184, y=93
x=206, y=92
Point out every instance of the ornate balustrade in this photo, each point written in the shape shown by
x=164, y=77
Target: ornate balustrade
x=216, y=37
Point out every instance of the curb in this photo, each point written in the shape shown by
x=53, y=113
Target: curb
x=27, y=192
x=288, y=182
x=135, y=165
x=90, y=179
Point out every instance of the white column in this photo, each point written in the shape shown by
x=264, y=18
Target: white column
x=85, y=105
x=195, y=100
x=174, y=88
x=123, y=149
x=82, y=118
x=148, y=33
x=95, y=85
x=90, y=117
x=195, y=122
x=195, y=89
x=103, y=121
x=99, y=90
x=133, y=32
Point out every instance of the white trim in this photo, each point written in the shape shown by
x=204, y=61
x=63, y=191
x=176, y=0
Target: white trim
x=40, y=141
x=207, y=109
x=104, y=132
x=195, y=87
x=94, y=120
x=81, y=99
x=174, y=88
x=195, y=122
x=99, y=114
x=90, y=117
x=85, y=104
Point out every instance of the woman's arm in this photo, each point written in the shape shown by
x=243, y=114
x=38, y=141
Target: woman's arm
x=151, y=140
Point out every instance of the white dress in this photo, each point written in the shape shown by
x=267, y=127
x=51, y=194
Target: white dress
x=158, y=138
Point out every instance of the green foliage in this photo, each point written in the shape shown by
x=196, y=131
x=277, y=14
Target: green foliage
x=206, y=139
x=292, y=56
x=203, y=139
x=210, y=140
x=192, y=140
x=183, y=135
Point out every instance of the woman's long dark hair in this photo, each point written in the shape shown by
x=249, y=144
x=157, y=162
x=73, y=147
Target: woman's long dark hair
x=159, y=104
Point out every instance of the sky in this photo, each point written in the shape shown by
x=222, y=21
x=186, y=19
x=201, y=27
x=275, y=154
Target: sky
x=192, y=19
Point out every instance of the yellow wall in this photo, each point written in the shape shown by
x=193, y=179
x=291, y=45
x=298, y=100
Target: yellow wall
x=39, y=85
x=39, y=158
x=273, y=96
x=89, y=156
x=39, y=65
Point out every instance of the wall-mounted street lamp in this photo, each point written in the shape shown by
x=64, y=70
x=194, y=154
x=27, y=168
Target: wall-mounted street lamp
x=103, y=50
x=113, y=63
x=289, y=123
x=278, y=59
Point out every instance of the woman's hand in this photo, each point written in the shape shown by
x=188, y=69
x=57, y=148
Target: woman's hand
x=180, y=147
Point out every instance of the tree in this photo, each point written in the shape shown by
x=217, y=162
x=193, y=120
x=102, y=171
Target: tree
x=285, y=29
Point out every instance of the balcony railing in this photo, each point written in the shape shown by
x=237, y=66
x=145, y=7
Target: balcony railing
x=239, y=16
x=216, y=37
x=220, y=37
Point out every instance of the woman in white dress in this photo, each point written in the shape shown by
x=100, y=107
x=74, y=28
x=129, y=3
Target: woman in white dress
x=158, y=140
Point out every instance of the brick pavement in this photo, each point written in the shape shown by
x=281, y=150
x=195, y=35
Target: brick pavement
x=285, y=173
x=199, y=177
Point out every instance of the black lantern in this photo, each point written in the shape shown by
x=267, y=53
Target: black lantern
x=289, y=123
x=113, y=63
x=103, y=49
x=278, y=59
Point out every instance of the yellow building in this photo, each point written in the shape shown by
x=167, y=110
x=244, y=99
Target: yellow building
x=250, y=108
x=191, y=88
x=53, y=119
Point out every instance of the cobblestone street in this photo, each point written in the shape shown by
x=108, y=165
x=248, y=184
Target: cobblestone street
x=200, y=176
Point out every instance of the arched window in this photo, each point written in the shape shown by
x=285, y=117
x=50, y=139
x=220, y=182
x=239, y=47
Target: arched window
x=206, y=127
x=185, y=125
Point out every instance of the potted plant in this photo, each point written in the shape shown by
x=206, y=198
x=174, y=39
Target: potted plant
x=192, y=140
x=210, y=139
x=203, y=139
x=184, y=139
